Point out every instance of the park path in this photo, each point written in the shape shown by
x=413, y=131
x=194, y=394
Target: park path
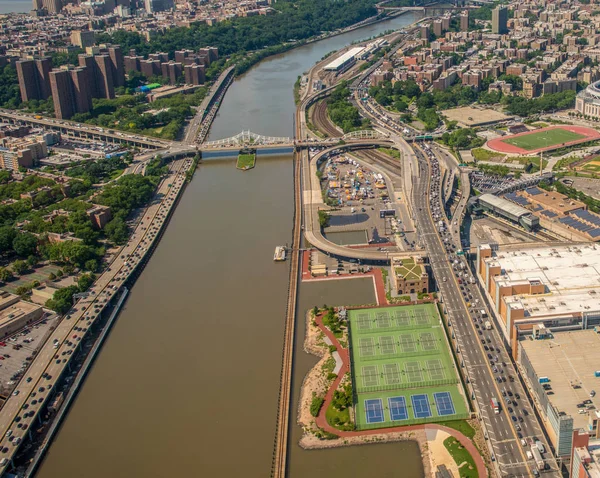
x=321, y=419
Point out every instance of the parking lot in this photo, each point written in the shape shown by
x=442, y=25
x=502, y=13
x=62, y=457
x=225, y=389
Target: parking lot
x=17, y=351
x=488, y=182
x=362, y=202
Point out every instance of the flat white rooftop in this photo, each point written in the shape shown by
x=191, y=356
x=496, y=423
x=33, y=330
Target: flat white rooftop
x=339, y=61
x=570, y=274
x=569, y=360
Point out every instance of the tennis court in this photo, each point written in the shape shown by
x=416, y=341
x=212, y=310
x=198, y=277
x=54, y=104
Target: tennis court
x=370, y=375
x=421, y=407
x=386, y=344
x=443, y=403
x=374, y=410
x=435, y=369
x=391, y=371
x=383, y=320
x=398, y=410
x=398, y=353
x=408, y=343
x=367, y=346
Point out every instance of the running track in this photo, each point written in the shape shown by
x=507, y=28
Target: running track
x=498, y=144
x=322, y=420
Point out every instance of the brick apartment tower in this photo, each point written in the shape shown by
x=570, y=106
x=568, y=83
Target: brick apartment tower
x=34, y=78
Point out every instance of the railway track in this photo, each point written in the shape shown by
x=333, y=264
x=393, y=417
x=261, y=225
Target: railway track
x=322, y=122
x=278, y=466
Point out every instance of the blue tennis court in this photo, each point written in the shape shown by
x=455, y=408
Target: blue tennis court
x=398, y=410
x=374, y=410
x=443, y=403
x=421, y=407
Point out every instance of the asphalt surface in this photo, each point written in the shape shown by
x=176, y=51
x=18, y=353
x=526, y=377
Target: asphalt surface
x=467, y=328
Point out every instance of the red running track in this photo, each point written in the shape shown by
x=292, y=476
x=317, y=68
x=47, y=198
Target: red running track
x=321, y=419
x=498, y=144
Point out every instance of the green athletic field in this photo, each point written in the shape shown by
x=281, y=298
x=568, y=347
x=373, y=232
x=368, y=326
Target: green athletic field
x=543, y=139
x=402, y=352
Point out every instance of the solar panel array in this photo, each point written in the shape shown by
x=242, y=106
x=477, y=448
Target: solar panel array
x=533, y=191
x=517, y=199
x=580, y=226
x=548, y=213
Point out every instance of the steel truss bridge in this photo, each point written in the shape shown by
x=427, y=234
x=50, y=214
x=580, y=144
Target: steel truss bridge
x=248, y=139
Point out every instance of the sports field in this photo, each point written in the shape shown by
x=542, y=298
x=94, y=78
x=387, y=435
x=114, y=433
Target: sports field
x=402, y=369
x=545, y=139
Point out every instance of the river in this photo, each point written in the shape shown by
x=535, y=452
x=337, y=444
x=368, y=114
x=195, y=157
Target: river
x=187, y=382
x=15, y=6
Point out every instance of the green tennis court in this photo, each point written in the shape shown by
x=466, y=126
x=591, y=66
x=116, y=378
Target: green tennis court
x=397, y=353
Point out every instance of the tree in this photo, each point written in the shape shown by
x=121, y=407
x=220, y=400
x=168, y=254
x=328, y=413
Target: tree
x=25, y=244
x=7, y=236
x=32, y=261
x=5, y=274
x=62, y=300
x=91, y=265
x=85, y=281
x=23, y=290
x=52, y=276
x=117, y=231
x=19, y=267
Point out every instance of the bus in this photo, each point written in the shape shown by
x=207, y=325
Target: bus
x=495, y=405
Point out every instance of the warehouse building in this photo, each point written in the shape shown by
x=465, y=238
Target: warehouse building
x=345, y=61
x=562, y=370
x=542, y=289
x=508, y=210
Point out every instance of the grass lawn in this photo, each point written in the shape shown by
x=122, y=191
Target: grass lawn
x=116, y=173
x=535, y=160
x=390, y=152
x=246, y=161
x=461, y=457
x=543, y=139
x=481, y=154
x=337, y=419
x=460, y=425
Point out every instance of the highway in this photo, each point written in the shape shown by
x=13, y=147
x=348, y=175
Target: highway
x=84, y=131
x=481, y=352
x=466, y=322
x=36, y=387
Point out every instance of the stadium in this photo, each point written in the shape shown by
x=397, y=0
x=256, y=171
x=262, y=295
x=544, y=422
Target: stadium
x=545, y=139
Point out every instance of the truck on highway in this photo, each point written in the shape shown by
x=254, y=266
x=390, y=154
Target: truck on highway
x=495, y=405
x=488, y=325
x=537, y=456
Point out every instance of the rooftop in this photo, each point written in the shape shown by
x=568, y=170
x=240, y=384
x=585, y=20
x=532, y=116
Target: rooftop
x=570, y=274
x=590, y=456
x=569, y=360
x=504, y=204
x=470, y=117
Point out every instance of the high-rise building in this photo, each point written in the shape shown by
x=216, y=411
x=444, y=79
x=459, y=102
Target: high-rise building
x=437, y=28
x=118, y=65
x=51, y=6
x=34, y=79
x=62, y=93
x=81, y=89
x=100, y=75
x=464, y=21
x=132, y=63
x=499, y=20
x=83, y=38
x=425, y=32
x=104, y=77
x=70, y=91
x=195, y=74
x=153, y=6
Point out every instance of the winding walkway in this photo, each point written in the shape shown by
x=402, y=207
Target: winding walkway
x=321, y=420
